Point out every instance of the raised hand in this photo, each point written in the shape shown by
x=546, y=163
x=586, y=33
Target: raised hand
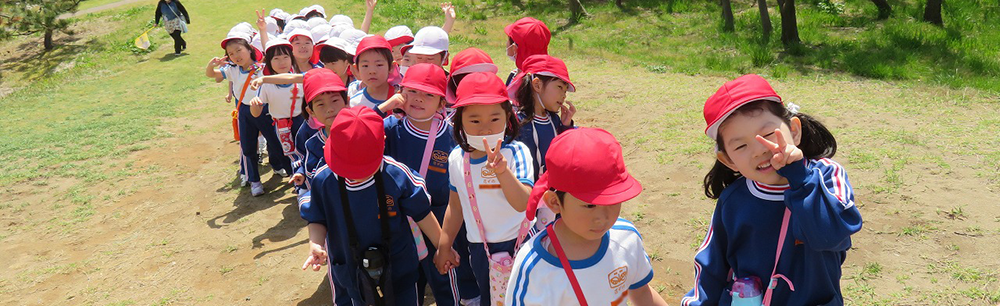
x=370, y=4
x=256, y=83
x=566, y=112
x=261, y=22
x=494, y=159
x=449, y=10
x=784, y=153
x=316, y=259
x=218, y=61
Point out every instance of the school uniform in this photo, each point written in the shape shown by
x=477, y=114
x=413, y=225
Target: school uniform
x=360, y=96
x=538, y=134
x=405, y=143
x=500, y=221
x=742, y=238
x=284, y=101
x=406, y=196
x=620, y=264
x=250, y=126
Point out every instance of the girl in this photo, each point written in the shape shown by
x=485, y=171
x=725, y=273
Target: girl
x=467, y=61
x=777, y=189
x=176, y=19
x=422, y=141
x=302, y=44
x=239, y=51
x=541, y=94
x=490, y=175
x=525, y=37
x=589, y=255
x=281, y=102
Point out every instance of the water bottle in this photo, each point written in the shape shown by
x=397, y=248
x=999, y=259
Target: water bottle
x=747, y=291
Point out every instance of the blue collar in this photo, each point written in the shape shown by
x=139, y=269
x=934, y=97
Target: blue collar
x=575, y=264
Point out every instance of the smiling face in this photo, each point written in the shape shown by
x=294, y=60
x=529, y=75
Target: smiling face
x=586, y=220
x=372, y=68
x=481, y=120
x=325, y=107
x=239, y=53
x=741, y=150
x=303, y=48
x=552, y=93
x=281, y=60
x=421, y=105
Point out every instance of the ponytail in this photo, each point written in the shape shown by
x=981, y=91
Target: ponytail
x=816, y=142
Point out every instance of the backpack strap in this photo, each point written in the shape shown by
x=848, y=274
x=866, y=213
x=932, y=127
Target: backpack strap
x=565, y=264
x=777, y=255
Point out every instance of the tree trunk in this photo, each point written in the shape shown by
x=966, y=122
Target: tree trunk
x=884, y=10
x=789, y=28
x=932, y=13
x=48, y=40
x=765, y=19
x=577, y=10
x=619, y=4
x=727, y=16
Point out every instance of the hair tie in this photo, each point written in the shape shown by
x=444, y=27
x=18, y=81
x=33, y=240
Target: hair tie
x=792, y=108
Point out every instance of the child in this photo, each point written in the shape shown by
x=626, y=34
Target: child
x=281, y=102
x=589, y=255
x=245, y=57
x=772, y=161
x=302, y=43
x=490, y=175
x=430, y=46
x=525, y=37
x=324, y=98
x=399, y=37
x=468, y=61
x=372, y=67
x=313, y=11
x=376, y=262
x=422, y=141
x=541, y=93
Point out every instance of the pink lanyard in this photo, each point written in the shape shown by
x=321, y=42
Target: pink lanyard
x=429, y=146
x=565, y=263
x=775, y=277
x=475, y=211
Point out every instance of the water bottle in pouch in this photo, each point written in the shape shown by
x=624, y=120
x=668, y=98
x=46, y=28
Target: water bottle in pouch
x=747, y=291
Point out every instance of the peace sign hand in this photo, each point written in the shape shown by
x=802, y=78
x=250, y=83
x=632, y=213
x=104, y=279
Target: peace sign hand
x=317, y=257
x=261, y=23
x=784, y=153
x=495, y=160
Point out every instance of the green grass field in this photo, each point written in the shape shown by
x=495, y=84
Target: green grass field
x=913, y=106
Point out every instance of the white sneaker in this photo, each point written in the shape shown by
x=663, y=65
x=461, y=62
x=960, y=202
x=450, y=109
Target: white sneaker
x=243, y=178
x=281, y=172
x=256, y=189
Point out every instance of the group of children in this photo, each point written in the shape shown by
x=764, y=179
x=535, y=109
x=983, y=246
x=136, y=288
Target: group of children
x=412, y=176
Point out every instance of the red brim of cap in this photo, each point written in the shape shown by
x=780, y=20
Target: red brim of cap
x=515, y=84
x=422, y=87
x=400, y=40
x=480, y=100
x=326, y=88
x=617, y=193
x=713, y=130
x=404, y=49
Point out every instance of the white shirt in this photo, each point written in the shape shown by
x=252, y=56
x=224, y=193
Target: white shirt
x=353, y=88
x=619, y=264
x=279, y=99
x=500, y=221
x=238, y=76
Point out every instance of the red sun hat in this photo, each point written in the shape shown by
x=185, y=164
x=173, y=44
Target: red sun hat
x=731, y=96
x=539, y=64
x=588, y=164
x=317, y=81
x=468, y=61
x=531, y=36
x=369, y=43
x=480, y=88
x=428, y=78
x=357, y=140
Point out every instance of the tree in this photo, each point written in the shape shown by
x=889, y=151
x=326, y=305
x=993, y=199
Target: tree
x=789, y=28
x=932, y=13
x=28, y=17
x=727, y=15
x=577, y=10
x=765, y=19
x=884, y=10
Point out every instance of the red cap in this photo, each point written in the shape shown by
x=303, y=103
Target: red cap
x=531, y=36
x=732, y=95
x=357, y=140
x=588, y=164
x=480, y=88
x=468, y=61
x=317, y=81
x=428, y=78
x=369, y=43
x=539, y=64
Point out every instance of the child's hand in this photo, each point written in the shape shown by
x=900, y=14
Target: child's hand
x=446, y=260
x=495, y=160
x=449, y=11
x=566, y=112
x=370, y=5
x=317, y=257
x=256, y=83
x=784, y=153
x=256, y=106
x=217, y=61
x=261, y=22
x=229, y=97
x=297, y=179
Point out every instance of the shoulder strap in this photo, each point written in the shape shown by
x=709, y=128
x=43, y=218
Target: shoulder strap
x=429, y=146
x=385, y=282
x=775, y=277
x=246, y=84
x=469, y=187
x=352, y=232
x=565, y=264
